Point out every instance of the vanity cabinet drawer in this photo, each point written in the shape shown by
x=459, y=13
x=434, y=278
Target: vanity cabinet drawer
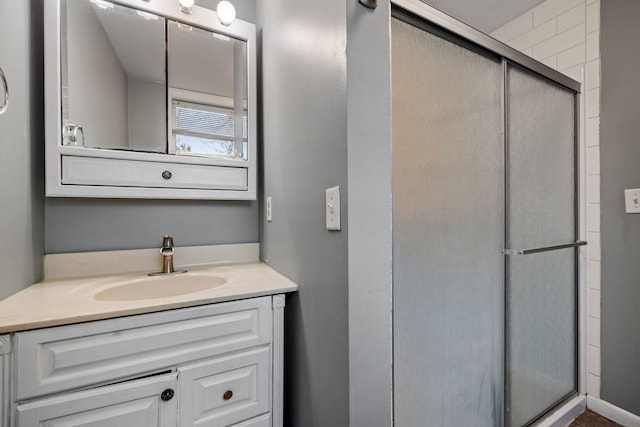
x=78, y=170
x=67, y=357
x=226, y=390
x=261, y=421
x=132, y=404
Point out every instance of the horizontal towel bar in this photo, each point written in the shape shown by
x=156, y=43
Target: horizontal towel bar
x=545, y=249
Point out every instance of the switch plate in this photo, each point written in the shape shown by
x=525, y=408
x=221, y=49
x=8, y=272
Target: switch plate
x=332, y=207
x=632, y=200
x=269, y=210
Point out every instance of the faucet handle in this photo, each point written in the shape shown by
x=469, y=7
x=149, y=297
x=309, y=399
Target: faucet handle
x=167, y=245
x=167, y=241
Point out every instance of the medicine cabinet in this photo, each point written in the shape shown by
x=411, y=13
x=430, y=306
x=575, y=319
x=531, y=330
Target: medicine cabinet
x=143, y=100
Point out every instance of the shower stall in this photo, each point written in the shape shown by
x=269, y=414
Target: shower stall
x=485, y=229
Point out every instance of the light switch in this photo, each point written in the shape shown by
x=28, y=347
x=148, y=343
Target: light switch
x=632, y=200
x=332, y=206
x=269, y=210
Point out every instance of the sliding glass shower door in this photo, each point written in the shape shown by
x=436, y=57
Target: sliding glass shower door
x=448, y=230
x=484, y=234
x=541, y=282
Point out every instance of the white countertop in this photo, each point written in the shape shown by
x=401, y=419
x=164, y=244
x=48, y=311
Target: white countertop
x=66, y=301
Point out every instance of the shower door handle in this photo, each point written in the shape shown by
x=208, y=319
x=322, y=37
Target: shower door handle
x=512, y=252
x=5, y=89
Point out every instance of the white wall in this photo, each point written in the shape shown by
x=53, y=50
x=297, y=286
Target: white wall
x=565, y=35
x=96, y=80
x=147, y=108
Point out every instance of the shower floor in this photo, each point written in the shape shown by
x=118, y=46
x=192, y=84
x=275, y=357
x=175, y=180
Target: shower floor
x=591, y=419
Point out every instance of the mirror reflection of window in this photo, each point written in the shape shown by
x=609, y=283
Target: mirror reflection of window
x=205, y=129
x=113, y=76
x=208, y=101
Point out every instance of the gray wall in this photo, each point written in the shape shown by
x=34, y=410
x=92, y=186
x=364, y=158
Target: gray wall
x=21, y=142
x=620, y=152
x=76, y=225
x=304, y=138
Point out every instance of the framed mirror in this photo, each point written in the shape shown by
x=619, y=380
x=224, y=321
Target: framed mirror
x=143, y=100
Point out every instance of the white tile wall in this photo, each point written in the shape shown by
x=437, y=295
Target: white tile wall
x=593, y=217
x=593, y=189
x=593, y=384
x=593, y=249
x=593, y=360
x=551, y=9
x=571, y=18
x=593, y=132
x=593, y=331
x=571, y=57
x=565, y=35
x=535, y=36
x=593, y=17
x=559, y=43
x=593, y=160
x=593, y=303
x=593, y=44
x=593, y=271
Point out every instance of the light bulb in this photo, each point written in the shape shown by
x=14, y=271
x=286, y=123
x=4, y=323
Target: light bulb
x=186, y=5
x=226, y=12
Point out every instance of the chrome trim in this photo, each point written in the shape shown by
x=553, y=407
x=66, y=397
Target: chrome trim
x=5, y=104
x=511, y=252
x=483, y=40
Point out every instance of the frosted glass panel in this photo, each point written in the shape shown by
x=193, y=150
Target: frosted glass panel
x=541, y=288
x=541, y=331
x=448, y=218
x=541, y=152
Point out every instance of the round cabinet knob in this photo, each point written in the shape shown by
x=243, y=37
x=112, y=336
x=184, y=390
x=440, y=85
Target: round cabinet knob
x=227, y=395
x=166, y=175
x=167, y=394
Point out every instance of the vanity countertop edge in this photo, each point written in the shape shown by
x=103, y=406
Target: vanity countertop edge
x=64, y=301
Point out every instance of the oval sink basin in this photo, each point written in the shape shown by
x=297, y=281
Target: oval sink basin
x=152, y=287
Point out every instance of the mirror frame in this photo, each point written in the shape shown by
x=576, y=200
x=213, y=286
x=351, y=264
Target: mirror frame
x=217, y=171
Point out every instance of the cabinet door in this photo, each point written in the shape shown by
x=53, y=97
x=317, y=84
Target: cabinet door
x=226, y=390
x=135, y=403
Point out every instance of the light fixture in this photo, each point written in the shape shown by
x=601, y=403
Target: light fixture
x=186, y=5
x=226, y=12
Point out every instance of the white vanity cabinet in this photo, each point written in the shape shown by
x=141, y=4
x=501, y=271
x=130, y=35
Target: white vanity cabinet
x=211, y=365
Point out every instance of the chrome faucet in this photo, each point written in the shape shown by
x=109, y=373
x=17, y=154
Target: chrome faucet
x=167, y=252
